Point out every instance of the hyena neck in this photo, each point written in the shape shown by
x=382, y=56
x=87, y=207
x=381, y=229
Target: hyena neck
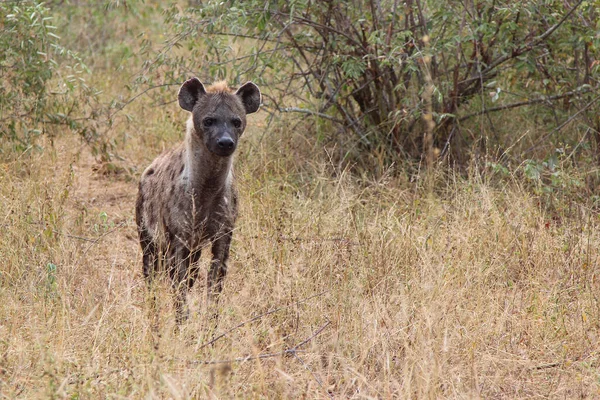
x=206, y=172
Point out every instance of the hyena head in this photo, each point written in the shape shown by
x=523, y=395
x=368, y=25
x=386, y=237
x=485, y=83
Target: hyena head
x=219, y=114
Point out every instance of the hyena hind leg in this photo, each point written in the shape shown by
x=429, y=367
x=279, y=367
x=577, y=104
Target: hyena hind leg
x=150, y=256
x=150, y=261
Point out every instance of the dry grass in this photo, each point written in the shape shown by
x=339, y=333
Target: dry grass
x=472, y=290
x=469, y=292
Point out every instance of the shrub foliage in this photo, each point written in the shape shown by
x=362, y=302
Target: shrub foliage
x=385, y=80
x=41, y=82
x=377, y=69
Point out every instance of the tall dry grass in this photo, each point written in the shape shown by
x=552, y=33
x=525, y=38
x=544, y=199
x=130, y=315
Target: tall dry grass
x=468, y=291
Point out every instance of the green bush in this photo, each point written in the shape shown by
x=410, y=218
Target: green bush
x=382, y=71
x=42, y=82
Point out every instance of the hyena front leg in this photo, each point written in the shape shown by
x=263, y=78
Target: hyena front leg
x=218, y=266
x=179, y=270
x=216, y=275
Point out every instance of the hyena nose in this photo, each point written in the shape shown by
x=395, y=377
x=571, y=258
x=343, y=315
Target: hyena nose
x=225, y=143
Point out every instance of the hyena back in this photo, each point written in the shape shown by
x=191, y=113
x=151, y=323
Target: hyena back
x=187, y=198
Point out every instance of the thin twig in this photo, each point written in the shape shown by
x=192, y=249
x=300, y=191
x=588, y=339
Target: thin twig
x=447, y=144
x=314, y=335
x=306, y=111
x=244, y=359
x=84, y=239
x=306, y=239
x=524, y=103
x=558, y=128
x=143, y=92
x=290, y=351
x=543, y=36
x=259, y=317
x=546, y=366
x=528, y=46
x=95, y=241
x=313, y=374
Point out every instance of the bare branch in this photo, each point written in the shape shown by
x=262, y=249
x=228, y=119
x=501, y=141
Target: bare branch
x=551, y=30
x=314, y=335
x=523, y=49
x=95, y=241
x=313, y=374
x=344, y=240
x=143, y=92
x=259, y=317
x=306, y=111
x=558, y=128
x=290, y=351
x=524, y=103
x=549, y=365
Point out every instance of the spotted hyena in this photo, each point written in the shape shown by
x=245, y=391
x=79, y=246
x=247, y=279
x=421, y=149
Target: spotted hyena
x=187, y=198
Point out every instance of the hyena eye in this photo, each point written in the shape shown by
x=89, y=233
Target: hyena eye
x=208, y=122
x=236, y=122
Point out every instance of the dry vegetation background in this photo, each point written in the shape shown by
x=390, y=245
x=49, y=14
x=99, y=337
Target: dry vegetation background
x=408, y=285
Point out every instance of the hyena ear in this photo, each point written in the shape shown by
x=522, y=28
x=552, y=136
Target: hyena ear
x=250, y=95
x=190, y=92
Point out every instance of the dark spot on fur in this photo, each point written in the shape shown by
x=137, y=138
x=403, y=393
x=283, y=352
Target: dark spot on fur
x=150, y=172
x=181, y=203
x=151, y=220
x=169, y=235
x=151, y=210
x=181, y=169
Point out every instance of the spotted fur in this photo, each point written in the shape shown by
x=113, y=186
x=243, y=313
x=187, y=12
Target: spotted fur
x=187, y=197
